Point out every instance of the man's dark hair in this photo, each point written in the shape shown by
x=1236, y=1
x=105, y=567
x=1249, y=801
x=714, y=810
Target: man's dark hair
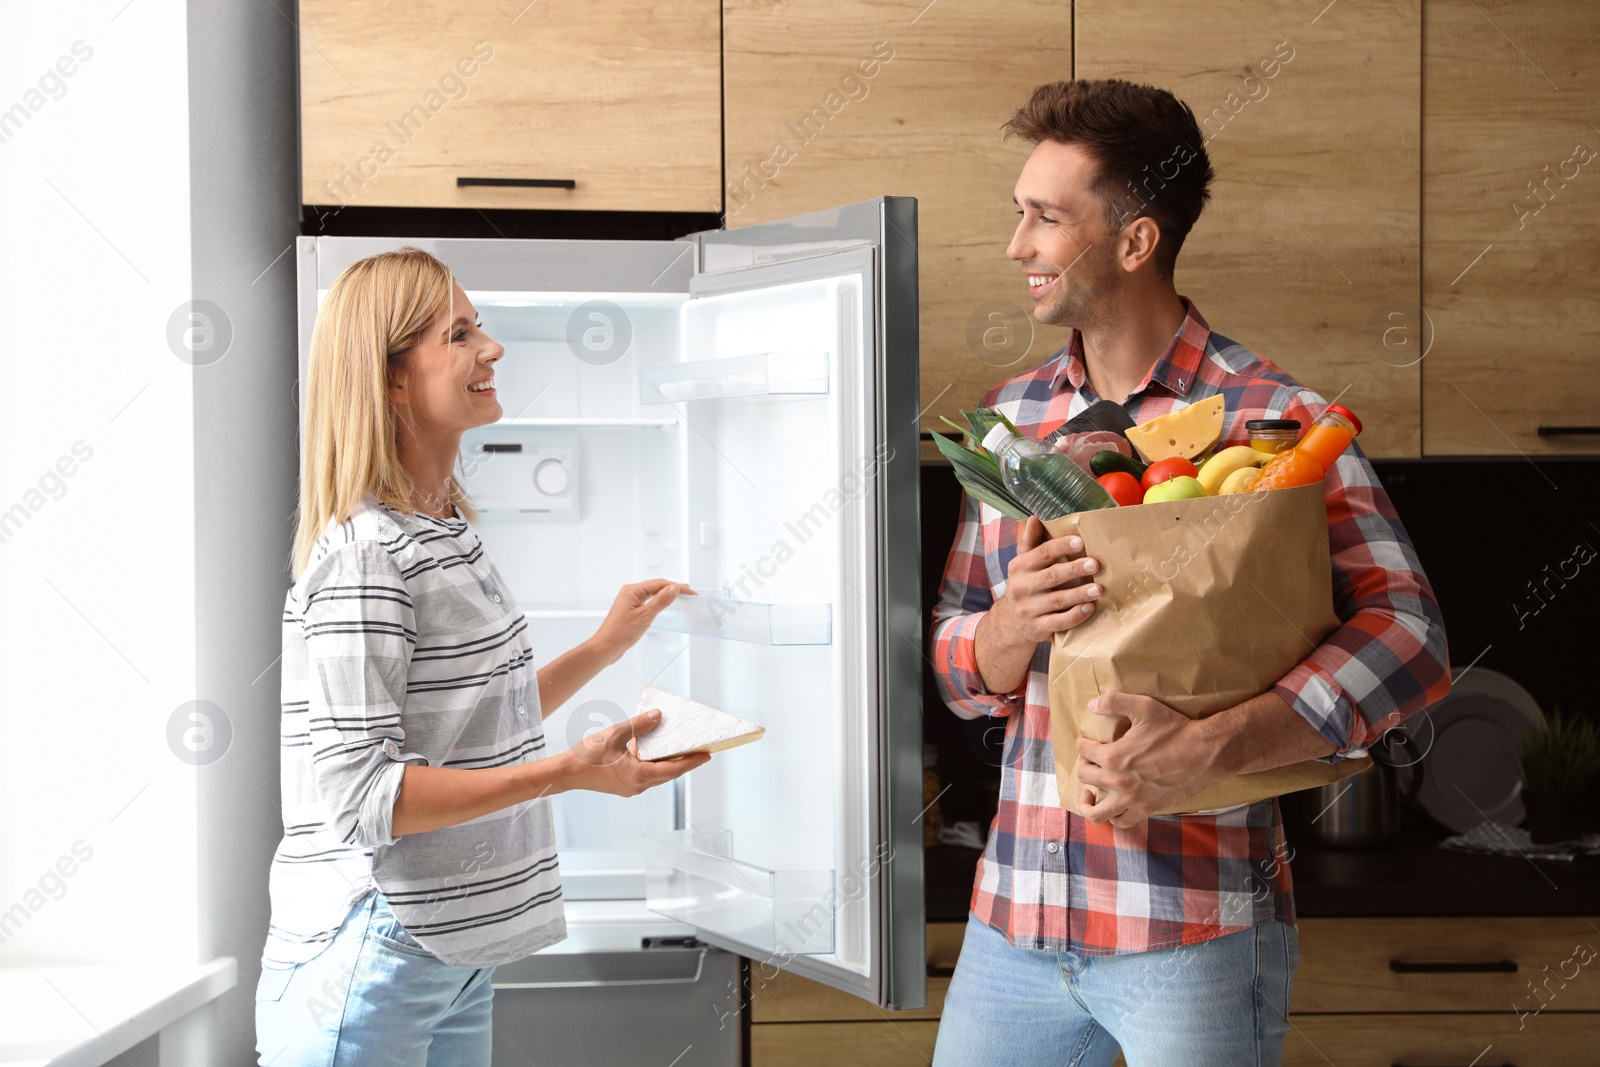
x=1152, y=159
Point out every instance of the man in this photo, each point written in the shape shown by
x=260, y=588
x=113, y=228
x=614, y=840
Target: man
x=1171, y=937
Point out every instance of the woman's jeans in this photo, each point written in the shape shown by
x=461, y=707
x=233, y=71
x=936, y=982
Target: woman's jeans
x=374, y=996
x=1217, y=1003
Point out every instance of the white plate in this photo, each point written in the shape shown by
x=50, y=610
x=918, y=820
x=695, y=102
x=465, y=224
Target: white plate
x=1471, y=772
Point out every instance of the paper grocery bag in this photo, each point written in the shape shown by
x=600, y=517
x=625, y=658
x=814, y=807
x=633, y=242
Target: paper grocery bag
x=1206, y=603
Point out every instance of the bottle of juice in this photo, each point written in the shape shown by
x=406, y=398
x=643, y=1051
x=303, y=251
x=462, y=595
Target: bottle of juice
x=1048, y=483
x=1314, y=454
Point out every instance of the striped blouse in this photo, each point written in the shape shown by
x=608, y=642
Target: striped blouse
x=402, y=644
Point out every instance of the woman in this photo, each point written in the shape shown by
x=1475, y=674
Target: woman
x=418, y=848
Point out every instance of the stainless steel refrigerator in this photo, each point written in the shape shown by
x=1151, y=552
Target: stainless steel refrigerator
x=738, y=410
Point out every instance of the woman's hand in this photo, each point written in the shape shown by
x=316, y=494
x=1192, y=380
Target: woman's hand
x=607, y=760
x=631, y=614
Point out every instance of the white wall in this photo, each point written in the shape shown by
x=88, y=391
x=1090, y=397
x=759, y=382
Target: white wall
x=97, y=578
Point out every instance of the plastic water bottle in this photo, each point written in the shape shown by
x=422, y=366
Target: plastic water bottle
x=1049, y=484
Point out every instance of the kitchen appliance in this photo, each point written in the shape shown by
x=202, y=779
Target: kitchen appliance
x=737, y=410
x=1363, y=811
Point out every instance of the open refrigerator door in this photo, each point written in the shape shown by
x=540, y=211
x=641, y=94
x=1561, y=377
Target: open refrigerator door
x=736, y=410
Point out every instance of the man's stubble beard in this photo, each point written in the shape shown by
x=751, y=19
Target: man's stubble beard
x=1092, y=297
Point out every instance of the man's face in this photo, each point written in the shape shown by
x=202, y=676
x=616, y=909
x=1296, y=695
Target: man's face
x=1063, y=240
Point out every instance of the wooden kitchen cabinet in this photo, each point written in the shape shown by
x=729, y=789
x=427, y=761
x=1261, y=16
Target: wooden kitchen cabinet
x=399, y=101
x=1511, y=227
x=841, y=100
x=1312, y=239
x=1378, y=992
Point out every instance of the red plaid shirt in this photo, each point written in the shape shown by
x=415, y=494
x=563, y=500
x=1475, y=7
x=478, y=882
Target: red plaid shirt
x=1048, y=878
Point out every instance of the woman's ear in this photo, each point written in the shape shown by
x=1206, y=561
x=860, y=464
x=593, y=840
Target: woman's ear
x=398, y=394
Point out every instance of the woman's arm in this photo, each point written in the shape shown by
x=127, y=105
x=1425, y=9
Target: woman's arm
x=432, y=798
x=630, y=616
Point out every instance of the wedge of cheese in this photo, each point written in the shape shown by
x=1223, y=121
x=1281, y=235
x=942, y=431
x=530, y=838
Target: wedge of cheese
x=687, y=727
x=1186, y=432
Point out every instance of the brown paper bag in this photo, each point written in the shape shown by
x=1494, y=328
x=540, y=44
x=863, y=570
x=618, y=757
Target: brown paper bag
x=1206, y=603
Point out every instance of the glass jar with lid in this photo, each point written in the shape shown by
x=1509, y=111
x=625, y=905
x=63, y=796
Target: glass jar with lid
x=1272, y=435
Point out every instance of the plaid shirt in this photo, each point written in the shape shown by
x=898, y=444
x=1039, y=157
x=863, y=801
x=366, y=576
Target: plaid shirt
x=1051, y=880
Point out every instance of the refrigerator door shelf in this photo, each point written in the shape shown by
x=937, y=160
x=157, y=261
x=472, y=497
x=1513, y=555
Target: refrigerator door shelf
x=766, y=374
x=749, y=621
x=692, y=878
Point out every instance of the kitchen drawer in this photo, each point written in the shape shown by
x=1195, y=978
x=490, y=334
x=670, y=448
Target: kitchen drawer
x=1489, y=1040
x=879, y=1044
x=1465, y=964
x=787, y=998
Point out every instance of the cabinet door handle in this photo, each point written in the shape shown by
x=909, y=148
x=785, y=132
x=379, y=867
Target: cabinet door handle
x=1466, y=967
x=521, y=183
x=1569, y=431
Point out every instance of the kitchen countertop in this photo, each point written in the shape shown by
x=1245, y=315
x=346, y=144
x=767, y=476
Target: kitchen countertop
x=89, y=1015
x=1414, y=876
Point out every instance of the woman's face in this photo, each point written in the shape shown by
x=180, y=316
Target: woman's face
x=448, y=383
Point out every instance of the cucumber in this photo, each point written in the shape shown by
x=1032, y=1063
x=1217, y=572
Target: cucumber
x=1108, y=460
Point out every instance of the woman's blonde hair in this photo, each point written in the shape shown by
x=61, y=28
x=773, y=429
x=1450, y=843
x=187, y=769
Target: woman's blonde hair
x=375, y=312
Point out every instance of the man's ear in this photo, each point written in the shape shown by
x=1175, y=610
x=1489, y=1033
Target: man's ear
x=1138, y=245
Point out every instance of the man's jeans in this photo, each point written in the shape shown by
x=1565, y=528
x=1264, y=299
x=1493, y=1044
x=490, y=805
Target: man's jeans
x=1217, y=1003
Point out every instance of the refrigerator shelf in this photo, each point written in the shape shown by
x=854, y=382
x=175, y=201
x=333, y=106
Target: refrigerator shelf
x=595, y=422
x=748, y=620
x=691, y=876
x=767, y=374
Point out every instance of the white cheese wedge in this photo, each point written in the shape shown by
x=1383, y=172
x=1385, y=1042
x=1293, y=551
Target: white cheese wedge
x=687, y=726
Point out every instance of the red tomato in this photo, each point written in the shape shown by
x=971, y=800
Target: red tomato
x=1164, y=469
x=1123, y=487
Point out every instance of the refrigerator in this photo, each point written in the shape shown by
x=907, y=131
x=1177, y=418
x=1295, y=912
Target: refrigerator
x=738, y=410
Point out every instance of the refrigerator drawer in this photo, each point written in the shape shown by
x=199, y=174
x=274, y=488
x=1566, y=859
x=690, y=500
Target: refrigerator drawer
x=618, y=1008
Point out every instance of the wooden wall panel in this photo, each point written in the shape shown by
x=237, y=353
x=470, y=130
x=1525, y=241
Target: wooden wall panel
x=1312, y=237
x=808, y=129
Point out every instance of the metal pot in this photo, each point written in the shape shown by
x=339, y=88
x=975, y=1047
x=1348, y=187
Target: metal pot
x=1364, y=811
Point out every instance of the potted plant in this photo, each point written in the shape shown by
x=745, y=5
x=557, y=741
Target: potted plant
x=1560, y=773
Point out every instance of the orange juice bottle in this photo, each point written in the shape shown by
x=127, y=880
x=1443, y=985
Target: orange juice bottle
x=1314, y=454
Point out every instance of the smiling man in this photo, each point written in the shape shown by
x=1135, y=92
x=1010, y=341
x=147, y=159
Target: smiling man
x=1171, y=937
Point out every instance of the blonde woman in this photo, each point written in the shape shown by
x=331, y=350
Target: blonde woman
x=418, y=848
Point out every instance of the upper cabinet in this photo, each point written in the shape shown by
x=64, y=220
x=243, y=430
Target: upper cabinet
x=595, y=106
x=836, y=101
x=1512, y=227
x=1310, y=250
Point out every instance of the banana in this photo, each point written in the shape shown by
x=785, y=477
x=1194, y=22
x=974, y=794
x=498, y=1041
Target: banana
x=1240, y=481
x=1217, y=469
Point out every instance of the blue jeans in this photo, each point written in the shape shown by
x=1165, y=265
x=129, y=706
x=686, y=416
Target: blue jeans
x=1217, y=1003
x=374, y=996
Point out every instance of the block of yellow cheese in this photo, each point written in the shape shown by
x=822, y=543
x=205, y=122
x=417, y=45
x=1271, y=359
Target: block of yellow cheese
x=1186, y=432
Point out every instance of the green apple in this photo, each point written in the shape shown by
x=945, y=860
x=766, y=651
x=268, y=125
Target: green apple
x=1180, y=488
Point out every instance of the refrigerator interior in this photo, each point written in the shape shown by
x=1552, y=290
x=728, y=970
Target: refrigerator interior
x=696, y=452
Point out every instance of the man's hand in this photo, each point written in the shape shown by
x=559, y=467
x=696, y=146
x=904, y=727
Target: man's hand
x=1160, y=760
x=1048, y=590
x=607, y=761
x=1047, y=585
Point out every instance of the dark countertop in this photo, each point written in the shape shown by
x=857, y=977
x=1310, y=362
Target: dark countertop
x=1413, y=877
